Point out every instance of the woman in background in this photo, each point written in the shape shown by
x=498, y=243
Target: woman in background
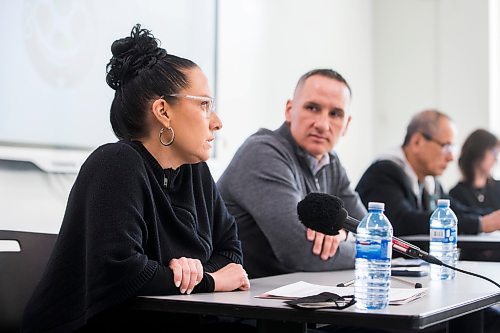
x=144, y=216
x=481, y=192
x=478, y=189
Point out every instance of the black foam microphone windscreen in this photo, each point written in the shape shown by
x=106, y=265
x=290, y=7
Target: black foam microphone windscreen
x=322, y=212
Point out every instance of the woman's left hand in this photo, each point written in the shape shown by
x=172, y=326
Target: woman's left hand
x=188, y=273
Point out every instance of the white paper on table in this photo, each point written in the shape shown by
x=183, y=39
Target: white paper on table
x=299, y=289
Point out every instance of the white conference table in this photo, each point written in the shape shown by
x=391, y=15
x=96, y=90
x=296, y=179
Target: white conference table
x=491, y=238
x=473, y=247
x=458, y=302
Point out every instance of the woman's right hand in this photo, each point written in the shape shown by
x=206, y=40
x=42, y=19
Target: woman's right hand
x=231, y=277
x=491, y=221
x=188, y=273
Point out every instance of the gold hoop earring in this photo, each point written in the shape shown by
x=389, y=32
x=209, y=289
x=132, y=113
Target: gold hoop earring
x=166, y=144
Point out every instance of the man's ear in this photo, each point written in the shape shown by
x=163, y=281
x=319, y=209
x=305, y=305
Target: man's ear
x=349, y=117
x=288, y=110
x=416, y=142
x=160, y=109
x=417, y=139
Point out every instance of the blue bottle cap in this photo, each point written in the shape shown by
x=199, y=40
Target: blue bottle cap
x=376, y=205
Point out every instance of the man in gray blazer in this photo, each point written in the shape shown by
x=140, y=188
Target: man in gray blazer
x=273, y=170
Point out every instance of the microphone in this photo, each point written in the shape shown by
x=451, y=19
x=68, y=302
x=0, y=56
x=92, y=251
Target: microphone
x=325, y=213
x=322, y=212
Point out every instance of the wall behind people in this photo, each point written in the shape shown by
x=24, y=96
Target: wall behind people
x=427, y=54
x=61, y=50
x=399, y=57
x=54, y=104
x=265, y=46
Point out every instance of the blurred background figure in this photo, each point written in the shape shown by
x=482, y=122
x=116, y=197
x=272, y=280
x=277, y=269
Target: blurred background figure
x=407, y=180
x=478, y=189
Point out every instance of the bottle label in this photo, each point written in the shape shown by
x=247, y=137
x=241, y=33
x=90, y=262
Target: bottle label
x=443, y=235
x=374, y=249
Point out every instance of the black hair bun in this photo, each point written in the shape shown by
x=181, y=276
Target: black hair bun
x=132, y=55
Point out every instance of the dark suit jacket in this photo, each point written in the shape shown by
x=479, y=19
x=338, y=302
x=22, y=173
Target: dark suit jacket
x=385, y=181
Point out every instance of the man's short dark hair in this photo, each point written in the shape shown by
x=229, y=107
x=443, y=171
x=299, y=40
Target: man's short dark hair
x=326, y=72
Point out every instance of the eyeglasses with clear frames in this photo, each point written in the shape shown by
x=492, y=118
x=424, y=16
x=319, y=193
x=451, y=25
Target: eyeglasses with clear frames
x=495, y=151
x=447, y=148
x=207, y=103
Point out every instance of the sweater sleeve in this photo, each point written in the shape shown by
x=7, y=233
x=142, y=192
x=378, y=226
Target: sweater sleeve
x=160, y=284
x=226, y=247
x=262, y=183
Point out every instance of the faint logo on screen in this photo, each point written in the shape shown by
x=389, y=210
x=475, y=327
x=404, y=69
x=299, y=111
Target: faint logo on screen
x=58, y=36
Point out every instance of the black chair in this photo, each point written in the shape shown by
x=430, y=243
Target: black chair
x=20, y=271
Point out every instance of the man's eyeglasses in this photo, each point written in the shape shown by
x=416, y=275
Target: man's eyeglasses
x=207, y=103
x=445, y=147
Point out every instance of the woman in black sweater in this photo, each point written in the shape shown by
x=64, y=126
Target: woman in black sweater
x=478, y=189
x=144, y=216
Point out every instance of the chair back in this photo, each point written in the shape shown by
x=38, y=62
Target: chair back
x=21, y=268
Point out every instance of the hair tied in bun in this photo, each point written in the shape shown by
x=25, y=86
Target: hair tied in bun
x=132, y=56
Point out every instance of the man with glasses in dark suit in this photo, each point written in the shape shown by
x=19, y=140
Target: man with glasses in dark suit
x=405, y=179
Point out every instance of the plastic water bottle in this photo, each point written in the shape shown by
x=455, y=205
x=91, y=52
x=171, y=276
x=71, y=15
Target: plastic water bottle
x=443, y=240
x=373, y=259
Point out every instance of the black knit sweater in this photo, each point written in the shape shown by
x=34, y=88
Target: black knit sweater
x=126, y=218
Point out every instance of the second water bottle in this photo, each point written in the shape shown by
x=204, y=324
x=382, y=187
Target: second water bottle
x=373, y=259
x=443, y=240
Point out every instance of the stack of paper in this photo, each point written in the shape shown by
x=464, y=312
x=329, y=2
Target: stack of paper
x=397, y=296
